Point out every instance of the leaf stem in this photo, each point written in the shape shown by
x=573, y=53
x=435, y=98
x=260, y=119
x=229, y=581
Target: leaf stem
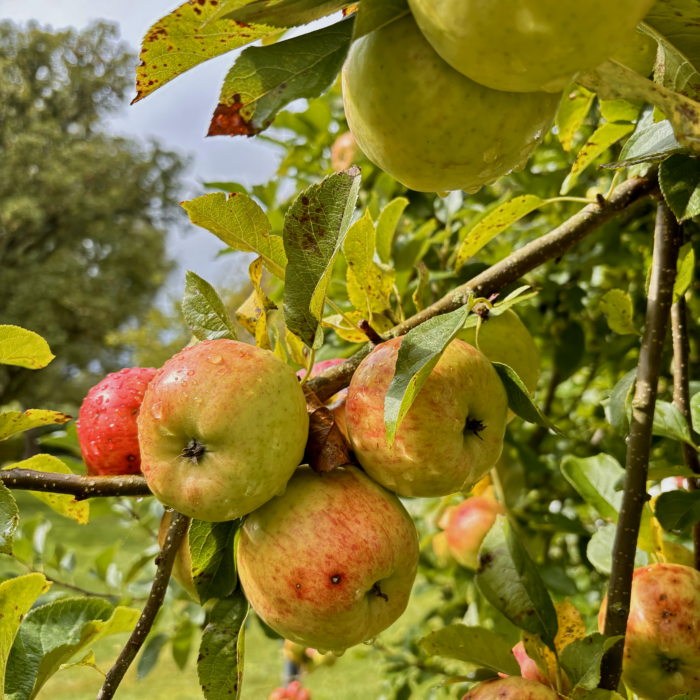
x=581, y=200
x=309, y=366
x=613, y=182
x=338, y=310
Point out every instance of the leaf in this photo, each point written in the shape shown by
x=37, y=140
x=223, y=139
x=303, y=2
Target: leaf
x=599, y=142
x=581, y=660
x=617, y=306
x=421, y=349
x=211, y=551
x=619, y=110
x=662, y=470
x=497, y=221
x=325, y=448
x=389, y=219
x=151, y=652
x=63, y=504
x=9, y=519
x=23, y=348
x=423, y=279
x=17, y=595
x=241, y=224
x=87, y=660
x=265, y=79
x=229, y=187
x=314, y=230
x=12, y=422
x=573, y=109
x=51, y=634
x=375, y=14
x=600, y=547
x=520, y=401
x=473, y=645
x=182, y=644
x=621, y=403
x=509, y=580
x=685, y=270
x=679, y=177
x=595, y=479
x=220, y=663
x=671, y=423
x=281, y=13
x=204, y=312
x=678, y=510
x=183, y=39
x=352, y=333
x=252, y=315
x=296, y=348
x=379, y=287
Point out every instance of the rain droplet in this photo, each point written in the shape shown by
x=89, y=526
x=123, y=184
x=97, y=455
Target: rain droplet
x=369, y=642
x=215, y=359
x=157, y=410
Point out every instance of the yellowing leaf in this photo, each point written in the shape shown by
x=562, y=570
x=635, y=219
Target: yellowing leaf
x=296, y=348
x=423, y=278
x=23, y=348
x=252, y=315
x=87, y=660
x=12, y=422
x=617, y=306
x=353, y=334
x=386, y=227
x=573, y=109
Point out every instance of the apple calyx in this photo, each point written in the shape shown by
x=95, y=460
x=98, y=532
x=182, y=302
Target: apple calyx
x=474, y=426
x=193, y=450
x=376, y=589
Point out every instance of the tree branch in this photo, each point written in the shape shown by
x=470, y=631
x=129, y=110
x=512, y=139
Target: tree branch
x=663, y=275
x=681, y=398
x=81, y=487
x=176, y=531
x=548, y=247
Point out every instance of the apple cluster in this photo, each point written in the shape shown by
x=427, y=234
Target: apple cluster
x=460, y=92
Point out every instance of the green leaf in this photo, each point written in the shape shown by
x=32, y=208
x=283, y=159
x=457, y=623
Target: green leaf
x=520, y=401
x=51, y=634
x=662, y=470
x=601, y=140
x=281, y=13
x=229, y=187
x=671, y=423
x=497, y=221
x=386, y=226
x=650, y=143
x=595, y=479
x=473, y=645
x=621, y=403
x=220, y=663
x=12, y=422
x=679, y=177
x=182, y=644
x=581, y=659
x=423, y=279
x=617, y=306
x=375, y=14
x=241, y=224
x=23, y=348
x=62, y=503
x=619, y=111
x=509, y=580
x=87, y=660
x=204, y=311
x=65, y=440
x=151, y=652
x=421, y=349
x=314, y=230
x=685, y=270
x=678, y=510
x=600, y=547
x=185, y=38
x=265, y=79
x=573, y=109
x=211, y=550
x=9, y=519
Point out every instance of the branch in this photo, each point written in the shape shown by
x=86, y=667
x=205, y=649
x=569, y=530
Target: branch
x=663, y=274
x=548, y=247
x=81, y=487
x=681, y=398
x=176, y=531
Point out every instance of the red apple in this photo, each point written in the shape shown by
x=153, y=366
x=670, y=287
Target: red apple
x=331, y=562
x=222, y=428
x=467, y=527
x=107, y=430
x=662, y=644
x=512, y=688
x=293, y=691
x=451, y=436
x=337, y=402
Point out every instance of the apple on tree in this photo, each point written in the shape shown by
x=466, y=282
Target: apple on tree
x=222, y=428
x=331, y=562
x=293, y=691
x=512, y=688
x=451, y=436
x=107, y=430
x=662, y=649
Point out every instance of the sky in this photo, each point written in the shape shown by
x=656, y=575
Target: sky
x=177, y=115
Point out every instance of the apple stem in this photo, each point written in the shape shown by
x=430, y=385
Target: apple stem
x=376, y=589
x=667, y=239
x=474, y=426
x=193, y=450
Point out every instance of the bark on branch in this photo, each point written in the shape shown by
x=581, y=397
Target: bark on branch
x=663, y=276
x=176, y=531
x=548, y=247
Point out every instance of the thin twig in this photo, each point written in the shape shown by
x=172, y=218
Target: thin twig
x=372, y=335
x=176, y=531
x=663, y=275
x=510, y=269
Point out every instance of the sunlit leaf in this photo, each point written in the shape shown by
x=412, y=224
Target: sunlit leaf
x=211, y=550
x=352, y=333
x=204, y=311
x=9, y=519
x=617, y=306
x=574, y=107
x=386, y=227
x=679, y=177
x=423, y=279
x=12, y=422
x=23, y=348
x=280, y=13
x=620, y=406
x=671, y=423
x=685, y=271
x=252, y=315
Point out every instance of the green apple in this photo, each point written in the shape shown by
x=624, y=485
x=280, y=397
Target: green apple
x=182, y=568
x=330, y=563
x=512, y=688
x=639, y=53
x=222, y=428
x=450, y=437
x=468, y=525
x=427, y=125
x=662, y=653
x=504, y=338
x=527, y=45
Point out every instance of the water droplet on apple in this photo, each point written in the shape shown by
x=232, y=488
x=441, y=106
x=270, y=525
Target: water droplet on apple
x=338, y=652
x=190, y=372
x=157, y=410
x=184, y=383
x=442, y=195
x=215, y=359
x=491, y=154
x=369, y=642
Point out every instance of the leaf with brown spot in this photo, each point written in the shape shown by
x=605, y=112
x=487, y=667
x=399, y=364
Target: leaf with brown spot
x=279, y=13
x=12, y=422
x=252, y=314
x=325, y=448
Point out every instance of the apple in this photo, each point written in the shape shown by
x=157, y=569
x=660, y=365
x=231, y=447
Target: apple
x=451, y=436
x=182, y=568
x=331, y=562
x=527, y=45
x=293, y=691
x=504, y=338
x=337, y=402
x=512, y=688
x=222, y=428
x=662, y=653
x=639, y=53
x=344, y=152
x=106, y=426
x=468, y=525
x=430, y=127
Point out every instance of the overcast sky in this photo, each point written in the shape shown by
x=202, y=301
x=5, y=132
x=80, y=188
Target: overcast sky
x=178, y=115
